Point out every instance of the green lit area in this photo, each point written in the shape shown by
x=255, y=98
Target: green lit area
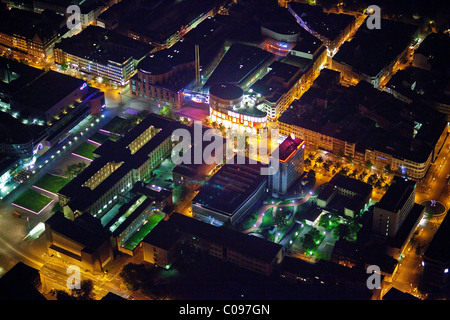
x=32, y=200
x=127, y=213
x=86, y=150
x=52, y=182
x=152, y=221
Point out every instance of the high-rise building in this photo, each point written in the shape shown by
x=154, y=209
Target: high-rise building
x=394, y=207
x=291, y=153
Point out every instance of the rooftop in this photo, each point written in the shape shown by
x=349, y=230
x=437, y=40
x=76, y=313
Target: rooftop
x=370, y=118
x=288, y=147
x=351, y=184
x=226, y=91
x=397, y=194
x=438, y=247
x=39, y=27
x=101, y=45
x=82, y=197
x=237, y=64
x=228, y=188
x=372, y=50
x=255, y=247
x=89, y=234
x=328, y=25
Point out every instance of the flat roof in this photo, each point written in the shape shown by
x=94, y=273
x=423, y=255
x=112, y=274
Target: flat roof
x=101, y=45
x=438, y=247
x=238, y=63
x=370, y=50
x=397, y=194
x=255, y=247
x=230, y=187
x=46, y=91
x=226, y=91
x=328, y=25
x=351, y=184
x=91, y=236
x=82, y=197
x=39, y=27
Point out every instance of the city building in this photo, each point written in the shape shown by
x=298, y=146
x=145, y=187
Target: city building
x=436, y=259
x=161, y=246
x=229, y=106
x=394, y=207
x=160, y=24
x=162, y=76
x=82, y=242
x=118, y=166
x=31, y=36
x=192, y=175
x=231, y=192
x=241, y=65
x=332, y=29
x=366, y=124
x=326, y=275
x=374, y=55
x=345, y=195
x=21, y=283
x=102, y=55
x=130, y=218
x=34, y=115
x=289, y=155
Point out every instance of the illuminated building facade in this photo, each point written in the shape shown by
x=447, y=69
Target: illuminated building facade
x=82, y=242
x=393, y=208
x=290, y=156
x=117, y=167
x=230, y=193
x=102, y=53
x=229, y=106
x=162, y=245
x=28, y=34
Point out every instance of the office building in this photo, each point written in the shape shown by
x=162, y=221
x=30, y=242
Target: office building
x=394, y=207
x=30, y=36
x=345, y=195
x=82, y=242
x=118, y=166
x=289, y=155
x=102, y=55
x=231, y=192
x=161, y=246
x=436, y=259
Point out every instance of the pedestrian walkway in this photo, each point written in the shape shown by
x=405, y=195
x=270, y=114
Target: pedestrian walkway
x=266, y=207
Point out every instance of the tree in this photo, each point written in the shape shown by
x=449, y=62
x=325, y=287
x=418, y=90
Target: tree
x=307, y=162
x=368, y=164
x=74, y=169
x=166, y=112
x=319, y=159
x=133, y=275
x=63, y=66
x=207, y=122
x=85, y=292
x=341, y=231
x=308, y=243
